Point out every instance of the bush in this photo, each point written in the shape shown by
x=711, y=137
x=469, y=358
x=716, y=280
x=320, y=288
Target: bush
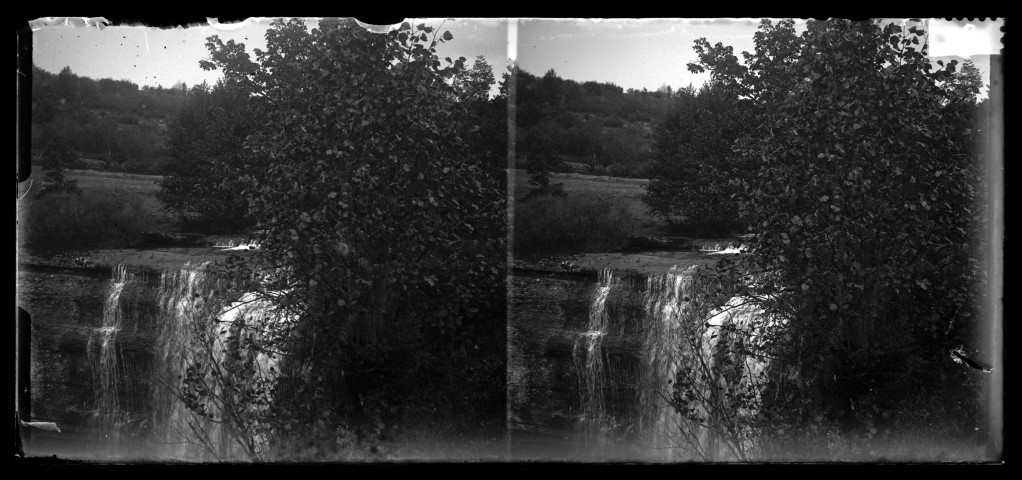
x=586, y=222
x=88, y=219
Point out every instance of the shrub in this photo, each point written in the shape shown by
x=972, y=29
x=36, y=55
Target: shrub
x=88, y=219
x=585, y=222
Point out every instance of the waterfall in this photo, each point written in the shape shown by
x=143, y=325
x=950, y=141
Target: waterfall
x=626, y=365
x=103, y=358
x=655, y=426
x=665, y=300
x=181, y=297
x=661, y=341
x=589, y=357
x=751, y=325
x=137, y=408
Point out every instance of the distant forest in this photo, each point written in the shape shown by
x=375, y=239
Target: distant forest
x=590, y=127
x=109, y=124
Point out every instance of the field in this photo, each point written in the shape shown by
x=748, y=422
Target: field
x=629, y=189
x=144, y=186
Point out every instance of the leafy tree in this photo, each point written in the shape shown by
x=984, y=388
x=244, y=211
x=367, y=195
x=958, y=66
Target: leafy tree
x=206, y=152
x=67, y=86
x=553, y=88
x=694, y=172
x=862, y=199
x=537, y=155
x=381, y=234
x=56, y=157
x=967, y=82
x=489, y=136
x=474, y=83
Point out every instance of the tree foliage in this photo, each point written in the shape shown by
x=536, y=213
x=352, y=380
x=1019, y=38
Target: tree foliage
x=205, y=147
x=56, y=157
x=598, y=125
x=862, y=195
x=694, y=172
x=381, y=233
x=488, y=136
x=106, y=120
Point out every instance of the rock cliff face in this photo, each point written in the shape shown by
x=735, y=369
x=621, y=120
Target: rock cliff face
x=546, y=387
x=65, y=307
x=95, y=363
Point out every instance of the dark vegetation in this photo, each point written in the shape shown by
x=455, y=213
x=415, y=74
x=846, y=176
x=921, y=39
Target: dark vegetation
x=579, y=222
x=108, y=124
x=375, y=174
x=590, y=127
x=692, y=162
x=66, y=220
x=81, y=123
x=205, y=145
x=851, y=159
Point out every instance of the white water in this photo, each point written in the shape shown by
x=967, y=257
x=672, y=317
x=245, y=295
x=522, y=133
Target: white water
x=103, y=358
x=589, y=356
x=665, y=299
x=660, y=432
x=748, y=319
x=160, y=424
x=235, y=245
x=182, y=295
x=729, y=249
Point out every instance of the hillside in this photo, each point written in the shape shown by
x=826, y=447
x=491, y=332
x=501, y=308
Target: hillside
x=109, y=124
x=591, y=127
x=595, y=128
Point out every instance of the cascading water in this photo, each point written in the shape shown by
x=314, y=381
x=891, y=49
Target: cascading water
x=628, y=354
x=153, y=422
x=103, y=358
x=665, y=299
x=182, y=294
x=589, y=356
x=751, y=324
x=654, y=340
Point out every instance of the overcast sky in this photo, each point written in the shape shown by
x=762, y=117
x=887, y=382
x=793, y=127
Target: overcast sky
x=631, y=53
x=154, y=56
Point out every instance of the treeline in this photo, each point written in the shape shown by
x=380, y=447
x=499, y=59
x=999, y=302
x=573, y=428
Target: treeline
x=106, y=124
x=591, y=127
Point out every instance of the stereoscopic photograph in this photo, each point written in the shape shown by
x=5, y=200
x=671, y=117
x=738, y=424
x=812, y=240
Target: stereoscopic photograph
x=510, y=240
